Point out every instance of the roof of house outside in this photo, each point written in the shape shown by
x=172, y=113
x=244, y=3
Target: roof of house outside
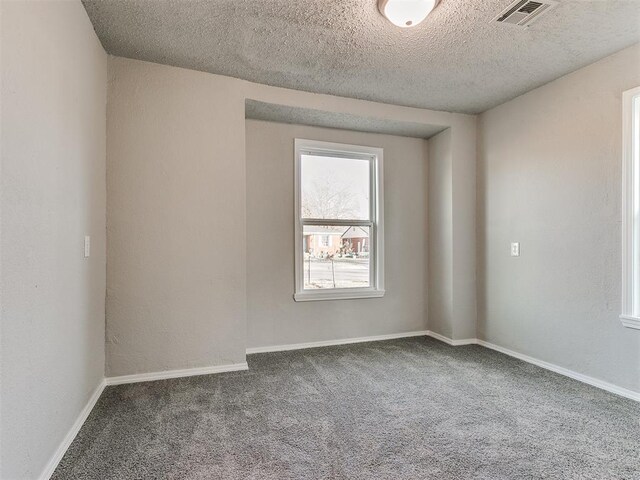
x=356, y=232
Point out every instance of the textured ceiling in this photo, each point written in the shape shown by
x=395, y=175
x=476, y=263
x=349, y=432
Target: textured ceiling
x=343, y=121
x=457, y=60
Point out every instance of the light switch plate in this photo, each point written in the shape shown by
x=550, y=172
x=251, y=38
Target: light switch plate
x=515, y=249
x=87, y=246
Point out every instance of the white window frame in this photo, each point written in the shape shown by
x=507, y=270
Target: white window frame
x=630, y=206
x=375, y=222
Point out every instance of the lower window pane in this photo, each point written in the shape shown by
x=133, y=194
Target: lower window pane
x=336, y=257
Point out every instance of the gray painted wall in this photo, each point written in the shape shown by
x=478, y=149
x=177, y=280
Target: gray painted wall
x=440, y=234
x=550, y=178
x=54, y=78
x=452, y=233
x=176, y=274
x=464, y=242
x=176, y=179
x=273, y=317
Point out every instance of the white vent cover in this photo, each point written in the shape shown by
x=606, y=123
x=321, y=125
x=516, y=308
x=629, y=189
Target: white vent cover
x=523, y=13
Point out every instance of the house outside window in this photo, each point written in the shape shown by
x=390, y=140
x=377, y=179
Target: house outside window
x=631, y=209
x=339, y=244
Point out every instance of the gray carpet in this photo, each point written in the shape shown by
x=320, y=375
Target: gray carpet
x=403, y=409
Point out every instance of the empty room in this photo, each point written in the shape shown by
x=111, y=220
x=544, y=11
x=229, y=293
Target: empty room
x=320, y=239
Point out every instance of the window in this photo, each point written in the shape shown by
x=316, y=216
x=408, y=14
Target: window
x=339, y=250
x=631, y=209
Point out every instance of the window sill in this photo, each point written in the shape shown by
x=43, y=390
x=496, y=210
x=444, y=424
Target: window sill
x=630, y=321
x=337, y=295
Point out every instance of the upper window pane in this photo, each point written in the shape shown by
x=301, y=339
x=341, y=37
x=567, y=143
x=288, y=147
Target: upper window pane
x=335, y=188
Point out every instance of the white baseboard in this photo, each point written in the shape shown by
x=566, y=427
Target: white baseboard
x=187, y=372
x=73, y=431
x=329, y=343
x=609, y=387
x=454, y=343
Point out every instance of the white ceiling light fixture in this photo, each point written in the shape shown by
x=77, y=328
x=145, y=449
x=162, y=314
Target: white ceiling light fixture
x=406, y=13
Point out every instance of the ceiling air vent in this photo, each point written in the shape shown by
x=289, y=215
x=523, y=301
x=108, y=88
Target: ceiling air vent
x=523, y=13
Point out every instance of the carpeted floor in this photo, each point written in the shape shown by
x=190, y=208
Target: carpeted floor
x=402, y=409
